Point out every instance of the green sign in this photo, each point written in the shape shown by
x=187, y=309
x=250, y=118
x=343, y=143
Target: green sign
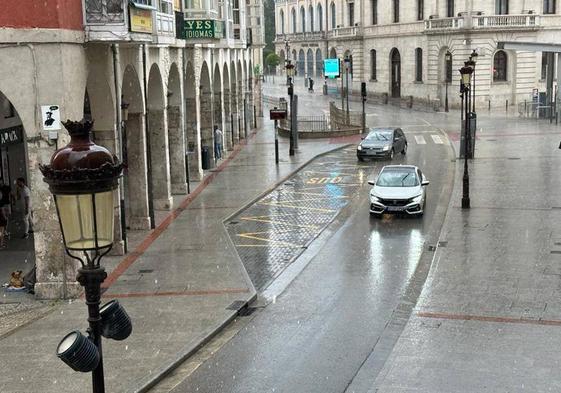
x=204, y=29
x=12, y=135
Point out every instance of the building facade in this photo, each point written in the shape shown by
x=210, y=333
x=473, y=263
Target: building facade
x=414, y=48
x=156, y=76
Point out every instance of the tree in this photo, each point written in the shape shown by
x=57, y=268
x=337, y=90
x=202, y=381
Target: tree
x=272, y=60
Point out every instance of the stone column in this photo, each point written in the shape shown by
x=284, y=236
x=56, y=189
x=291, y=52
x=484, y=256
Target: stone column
x=192, y=139
x=206, y=123
x=234, y=115
x=107, y=139
x=176, y=151
x=159, y=156
x=136, y=179
x=227, y=121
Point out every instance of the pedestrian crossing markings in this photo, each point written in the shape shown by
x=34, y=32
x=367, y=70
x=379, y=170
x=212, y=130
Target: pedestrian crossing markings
x=420, y=139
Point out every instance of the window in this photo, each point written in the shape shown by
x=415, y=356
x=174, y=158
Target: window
x=418, y=65
x=302, y=20
x=320, y=17
x=166, y=6
x=373, y=64
x=374, y=4
x=450, y=8
x=395, y=11
x=501, y=7
x=351, y=14
x=293, y=21
x=420, y=9
x=282, y=21
x=548, y=60
x=311, y=15
x=549, y=6
x=448, y=67
x=500, y=66
x=333, y=16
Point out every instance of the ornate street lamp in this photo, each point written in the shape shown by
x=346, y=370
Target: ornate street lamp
x=290, y=73
x=465, y=84
x=472, y=61
x=82, y=177
x=287, y=59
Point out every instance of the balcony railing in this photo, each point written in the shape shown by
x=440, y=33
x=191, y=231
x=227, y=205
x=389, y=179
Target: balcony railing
x=307, y=36
x=506, y=21
x=105, y=11
x=444, y=24
x=345, y=32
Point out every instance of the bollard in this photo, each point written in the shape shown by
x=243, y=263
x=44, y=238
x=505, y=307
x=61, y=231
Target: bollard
x=489, y=105
x=506, y=108
x=254, y=116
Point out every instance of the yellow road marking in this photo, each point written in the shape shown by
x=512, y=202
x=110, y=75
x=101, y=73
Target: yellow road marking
x=250, y=236
x=297, y=207
x=321, y=193
x=263, y=219
x=265, y=245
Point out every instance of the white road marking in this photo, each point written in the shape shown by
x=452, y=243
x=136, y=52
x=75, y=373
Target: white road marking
x=437, y=139
x=420, y=140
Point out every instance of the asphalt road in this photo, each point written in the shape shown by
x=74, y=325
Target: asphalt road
x=325, y=332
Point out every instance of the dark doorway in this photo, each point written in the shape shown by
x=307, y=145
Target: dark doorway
x=396, y=73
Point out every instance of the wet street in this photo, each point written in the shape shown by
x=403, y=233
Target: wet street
x=331, y=329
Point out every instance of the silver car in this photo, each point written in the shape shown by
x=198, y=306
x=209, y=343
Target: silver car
x=398, y=189
x=382, y=142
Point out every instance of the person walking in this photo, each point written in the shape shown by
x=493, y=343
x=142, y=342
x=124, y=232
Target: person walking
x=6, y=201
x=24, y=194
x=217, y=143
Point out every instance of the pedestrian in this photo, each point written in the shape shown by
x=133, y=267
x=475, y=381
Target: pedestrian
x=217, y=143
x=24, y=194
x=311, y=85
x=6, y=200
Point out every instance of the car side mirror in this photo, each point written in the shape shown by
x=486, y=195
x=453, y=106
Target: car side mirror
x=361, y=138
x=425, y=183
x=372, y=182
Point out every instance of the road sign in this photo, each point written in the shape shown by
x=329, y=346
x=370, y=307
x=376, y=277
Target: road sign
x=331, y=68
x=277, y=114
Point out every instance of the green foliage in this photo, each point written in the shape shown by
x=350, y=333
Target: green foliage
x=272, y=60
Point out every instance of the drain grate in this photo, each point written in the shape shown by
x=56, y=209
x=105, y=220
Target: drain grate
x=141, y=271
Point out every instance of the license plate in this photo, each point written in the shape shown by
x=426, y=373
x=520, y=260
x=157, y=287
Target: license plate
x=394, y=208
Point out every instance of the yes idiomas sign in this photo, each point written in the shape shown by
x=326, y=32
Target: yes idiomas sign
x=204, y=29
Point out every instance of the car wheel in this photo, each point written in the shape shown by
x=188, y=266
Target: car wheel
x=361, y=159
x=404, y=151
x=375, y=215
x=390, y=156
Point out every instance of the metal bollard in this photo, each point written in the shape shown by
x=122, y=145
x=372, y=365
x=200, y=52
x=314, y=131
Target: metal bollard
x=489, y=105
x=506, y=108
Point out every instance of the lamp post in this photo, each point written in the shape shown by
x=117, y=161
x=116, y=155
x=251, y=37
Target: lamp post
x=82, y=177
x=347, y=63
x=465, y=83
x=287, y=59
x=472, y=62
x=448, y=59
x=290, y=74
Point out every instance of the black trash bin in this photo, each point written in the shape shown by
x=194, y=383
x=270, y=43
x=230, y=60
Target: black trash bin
x=205, y=157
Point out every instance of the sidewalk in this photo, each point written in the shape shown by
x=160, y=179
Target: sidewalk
x=489, y=316
x=176, y=283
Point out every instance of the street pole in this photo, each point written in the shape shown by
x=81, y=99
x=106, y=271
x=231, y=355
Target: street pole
x=276, y=141
x=342, y=91
x=363, y=94
x=290, y=95
x=347, y=94
x=446, y=97
x=465, y=193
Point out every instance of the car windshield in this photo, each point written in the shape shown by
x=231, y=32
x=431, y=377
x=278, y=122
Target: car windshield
x=376, y=136
x=397, y=177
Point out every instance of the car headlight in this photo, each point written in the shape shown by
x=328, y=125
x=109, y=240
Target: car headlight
x=359, y=147
x=374, y=198
x=418, y=198
x=386, y=148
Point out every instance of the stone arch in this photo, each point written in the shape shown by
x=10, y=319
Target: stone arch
x=320, y=17
x=310, y=63
x=134, y=147
x=319, y=63
x=176, y=132
x=302, y=19
x=192, y=139
x=333, y=53
x=157, y=143
x=14, y=163
x=281, y=21
x=206, y=119
x=395, y=73
x=301, y=63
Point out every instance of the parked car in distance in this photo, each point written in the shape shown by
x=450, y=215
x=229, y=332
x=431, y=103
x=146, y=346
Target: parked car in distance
x=398, y=189
x=382, y=142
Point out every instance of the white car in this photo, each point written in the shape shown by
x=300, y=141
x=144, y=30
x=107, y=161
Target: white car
x=398, y=189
